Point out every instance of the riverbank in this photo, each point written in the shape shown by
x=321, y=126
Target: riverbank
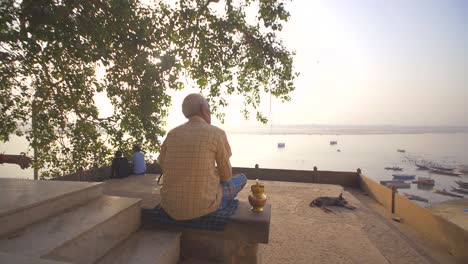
x=454, y=211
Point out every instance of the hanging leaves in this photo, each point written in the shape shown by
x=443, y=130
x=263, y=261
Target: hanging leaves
x=56, y=55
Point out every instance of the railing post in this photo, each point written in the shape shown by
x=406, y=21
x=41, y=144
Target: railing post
x=393, y=199
x=315, y=175
x=257, y=172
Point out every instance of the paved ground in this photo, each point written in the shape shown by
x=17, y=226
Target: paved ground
x=301, y=234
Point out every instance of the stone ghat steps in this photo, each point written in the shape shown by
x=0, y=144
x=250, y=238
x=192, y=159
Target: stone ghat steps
x=15, y=259
x=24, y=202
x=82, y=234
x=146, y=247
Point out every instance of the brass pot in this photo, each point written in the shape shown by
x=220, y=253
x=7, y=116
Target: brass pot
x=258, y=198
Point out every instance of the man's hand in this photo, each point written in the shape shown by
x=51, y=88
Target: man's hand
x=22, y=160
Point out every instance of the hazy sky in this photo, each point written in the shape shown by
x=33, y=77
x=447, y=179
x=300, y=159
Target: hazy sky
x=371, y=62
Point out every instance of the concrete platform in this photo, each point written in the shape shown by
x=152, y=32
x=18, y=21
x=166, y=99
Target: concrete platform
x=302, y=234
x=23, y=202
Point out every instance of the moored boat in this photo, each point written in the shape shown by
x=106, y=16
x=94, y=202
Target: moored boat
x=445, y=172
x=422, y=167
x=281, y=145
x=396, y=184
x=403, y=176
x=442, y=167
x=394, y=168
x=401, y=150
x=460, y=190
x=333, y=142
x=415, y=197
x=463, y=169
x=444, y=192
x=462, y=184
x=424, y=187
x=425, y=181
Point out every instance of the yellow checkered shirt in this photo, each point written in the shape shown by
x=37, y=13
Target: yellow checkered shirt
x=191, y=180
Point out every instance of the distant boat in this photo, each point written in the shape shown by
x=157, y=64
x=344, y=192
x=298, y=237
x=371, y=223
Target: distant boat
x=338, y=150
x=333, y=142
x=394, y=168
x=462, y=184
x=403, y=176
x=460, y=190
x=425, y=181
x=422, y=167
x=463, y=168
x=401, y=150
x=444, y=192
x=442, y=167
x=445, y=172
x=415, y=197
x=281, y=145
x=396, y=184
x=424, y=187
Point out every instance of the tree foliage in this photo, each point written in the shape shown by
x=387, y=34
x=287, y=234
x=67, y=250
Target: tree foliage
x=56, y=55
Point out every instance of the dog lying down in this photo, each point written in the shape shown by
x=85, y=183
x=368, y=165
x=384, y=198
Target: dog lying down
x=324, y=201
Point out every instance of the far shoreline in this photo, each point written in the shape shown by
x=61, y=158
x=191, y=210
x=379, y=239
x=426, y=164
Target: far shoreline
x=341, y=133
x=314, y=129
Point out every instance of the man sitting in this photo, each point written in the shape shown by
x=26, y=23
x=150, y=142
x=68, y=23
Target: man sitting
x=119, y=167
x=138, y=161
x=193, y=185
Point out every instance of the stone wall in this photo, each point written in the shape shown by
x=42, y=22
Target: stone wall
x=347, y=179
x=92, y=175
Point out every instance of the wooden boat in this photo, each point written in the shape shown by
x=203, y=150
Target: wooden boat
x=460, y=190
x=424, y=187
x=403, y=176
x=394, y=168
x=415, y=197
x=445, y=172
x=394, y=181
x=422, y=167
x=463, y=169
x=444, y=192
x=462, y=184
x=396, y=184
x=442, y=167
x=425, y=181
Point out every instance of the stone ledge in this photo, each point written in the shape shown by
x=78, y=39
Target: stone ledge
x=245, y=225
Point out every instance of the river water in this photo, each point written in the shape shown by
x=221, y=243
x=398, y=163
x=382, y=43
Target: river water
x=369, y=152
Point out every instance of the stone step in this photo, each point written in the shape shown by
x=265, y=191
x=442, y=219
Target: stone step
x=145, y=247
x=197, y=261
x=79, y=235
x=23, y=202
x=15, y=259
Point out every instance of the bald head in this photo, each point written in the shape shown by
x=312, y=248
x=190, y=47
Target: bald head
x=195, y=104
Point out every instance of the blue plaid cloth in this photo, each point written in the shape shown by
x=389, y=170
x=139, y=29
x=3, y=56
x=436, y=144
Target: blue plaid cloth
x=232, y=188
x=215, y=221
